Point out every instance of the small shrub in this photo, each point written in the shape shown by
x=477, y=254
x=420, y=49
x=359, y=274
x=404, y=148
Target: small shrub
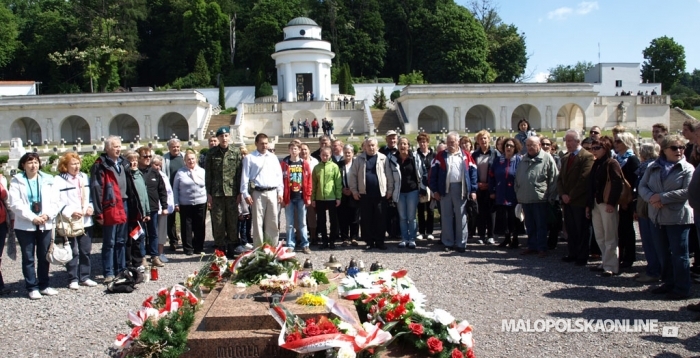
x=87, y=162
x=4, y=159
x=53, y=158
x=394, y=95
x=677, y=103
x=158, y=151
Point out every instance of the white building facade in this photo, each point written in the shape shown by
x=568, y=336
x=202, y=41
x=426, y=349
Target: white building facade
x=611, y=78
x=303, y=63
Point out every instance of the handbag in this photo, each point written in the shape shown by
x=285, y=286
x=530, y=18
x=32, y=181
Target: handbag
x=425, y=198
x=625, y=196
x=59, y=253
x=69, y=226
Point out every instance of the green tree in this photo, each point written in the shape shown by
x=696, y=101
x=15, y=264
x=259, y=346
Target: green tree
x=342, y=80
x=8, y=36
x=365, y=40
x=413, y=78
x=222, y=95
x=379, y=99
x=201, y=76
x=507, y=50
x=666, y=56
x=207, y=29
x=265, y=90
x=569, y=74
x=453, y=45
x=348, y=80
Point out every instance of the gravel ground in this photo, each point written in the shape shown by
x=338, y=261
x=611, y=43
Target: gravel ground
x=485, y=286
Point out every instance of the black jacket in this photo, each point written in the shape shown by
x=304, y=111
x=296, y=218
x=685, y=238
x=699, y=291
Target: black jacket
x=155, y=186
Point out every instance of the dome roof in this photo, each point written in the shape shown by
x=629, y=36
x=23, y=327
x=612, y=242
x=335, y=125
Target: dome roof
x=302, y=21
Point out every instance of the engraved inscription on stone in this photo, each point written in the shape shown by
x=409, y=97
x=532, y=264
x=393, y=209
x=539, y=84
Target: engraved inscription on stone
x=238, y=351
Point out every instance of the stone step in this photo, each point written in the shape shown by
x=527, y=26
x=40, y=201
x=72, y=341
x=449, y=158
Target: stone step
x=385, y=120
x=676, y=119
x=218, y=121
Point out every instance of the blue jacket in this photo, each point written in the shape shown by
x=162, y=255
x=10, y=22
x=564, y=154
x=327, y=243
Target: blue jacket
x=502, y=179
x=438, y=174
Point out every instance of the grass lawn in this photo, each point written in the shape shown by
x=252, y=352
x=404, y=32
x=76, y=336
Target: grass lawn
x=693, y=113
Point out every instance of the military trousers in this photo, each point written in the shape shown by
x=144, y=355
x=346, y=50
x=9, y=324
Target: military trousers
x=224, y=220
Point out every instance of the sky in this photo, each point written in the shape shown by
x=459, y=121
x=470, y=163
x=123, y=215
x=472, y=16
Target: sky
x=567, y=31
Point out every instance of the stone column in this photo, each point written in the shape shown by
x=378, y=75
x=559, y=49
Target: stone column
x=49, y=129
x=98, y=128
x=456, y=123
x=147, y=125
x=318, y=83
x=548, y=118
x=290, y=87
x=504, y=118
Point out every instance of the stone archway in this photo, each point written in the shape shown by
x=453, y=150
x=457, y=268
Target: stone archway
x=173, y=123
x=479, y=117
x=570, y=116
x=125, y=126
x=27, y=129
x=433, y=119
x=528, y=112
x=74, y=127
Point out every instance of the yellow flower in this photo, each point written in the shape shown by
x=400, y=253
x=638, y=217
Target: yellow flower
x=309, y=299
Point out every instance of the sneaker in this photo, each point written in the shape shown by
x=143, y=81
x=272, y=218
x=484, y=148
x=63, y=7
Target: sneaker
x=289, y=249
x=411, y=245
x=306, y=250
x=74, y=286
x=34, y=295
x=108, y=279
x=480, y=242
x=491, y=241
x=248, y=246
x=163, y=258
x=431, y=237
x=157, y=262
x=419, y=237
x=402, y=244
x=240, y=249
x=48, y=292
x=88, y=283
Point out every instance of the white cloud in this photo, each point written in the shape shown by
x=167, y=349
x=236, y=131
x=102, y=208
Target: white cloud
x=585, y=7
x=582, y=8
x=560, y=13
x=541, y=77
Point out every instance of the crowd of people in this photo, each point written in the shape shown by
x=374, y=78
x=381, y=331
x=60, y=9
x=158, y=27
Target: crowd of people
x=590, y=192
x=296, y=130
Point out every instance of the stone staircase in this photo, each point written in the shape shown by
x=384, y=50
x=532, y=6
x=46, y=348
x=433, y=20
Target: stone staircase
x=218, y=121
x=385, y=120
x=282, y=151
x=677, y=117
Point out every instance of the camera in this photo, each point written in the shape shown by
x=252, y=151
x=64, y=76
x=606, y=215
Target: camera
x=36, y=207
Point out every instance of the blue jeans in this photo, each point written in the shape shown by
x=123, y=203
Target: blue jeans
x=536, y=218
x=31, y=242
x=408, y=205
x=647, y=232
x=672, y=246
x=296, y=205
x=114, y=246
x=152, y=232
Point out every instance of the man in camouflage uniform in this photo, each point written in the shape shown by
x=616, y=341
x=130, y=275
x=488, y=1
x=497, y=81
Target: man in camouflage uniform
x=223, y=180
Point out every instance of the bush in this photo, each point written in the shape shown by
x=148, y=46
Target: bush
x=158, y=151
x=53, y=158
x=222, y=95
x=264, y=90
x=394, y=95
x=4, y=159
x=204, y=151
x=228, y=110
x=87, y=161
x=677, y=103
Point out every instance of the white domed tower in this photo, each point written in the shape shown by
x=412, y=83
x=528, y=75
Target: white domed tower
x=303, y=62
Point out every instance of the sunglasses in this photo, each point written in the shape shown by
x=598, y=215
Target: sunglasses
x=546, y=145
x=595, y=132
x=146, y=156
x=675, y=148
x=510, y=146
x=596, y=147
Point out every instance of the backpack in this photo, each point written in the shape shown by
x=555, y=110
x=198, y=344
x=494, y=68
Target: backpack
x=125, y=281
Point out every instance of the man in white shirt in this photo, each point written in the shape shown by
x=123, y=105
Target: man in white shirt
x=262, y=188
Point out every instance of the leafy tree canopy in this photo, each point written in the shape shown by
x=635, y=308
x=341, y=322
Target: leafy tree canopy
x=564, y=74
x=668, y=57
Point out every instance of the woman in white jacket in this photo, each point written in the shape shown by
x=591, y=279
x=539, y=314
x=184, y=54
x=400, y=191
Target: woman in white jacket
x=157, y=163
x=34, y=200
x=74, y=199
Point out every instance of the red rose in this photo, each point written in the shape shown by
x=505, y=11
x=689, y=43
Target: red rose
x=311, y=331
x=456, y=354
x=310, y=321
x=399, y=274
x=395, y=299
x=470, y=353
x=219, y=253
x=405, y=298
x=193, y=300
x=400, y=310
x=390, y=316
x=382, y=303
x=434, y=345
x=293, y=337
x=327, y=327
x=416, y=328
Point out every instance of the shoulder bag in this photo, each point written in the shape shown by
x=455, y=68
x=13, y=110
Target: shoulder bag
x=67, y=226
x=59, y=253
x=625, y=196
